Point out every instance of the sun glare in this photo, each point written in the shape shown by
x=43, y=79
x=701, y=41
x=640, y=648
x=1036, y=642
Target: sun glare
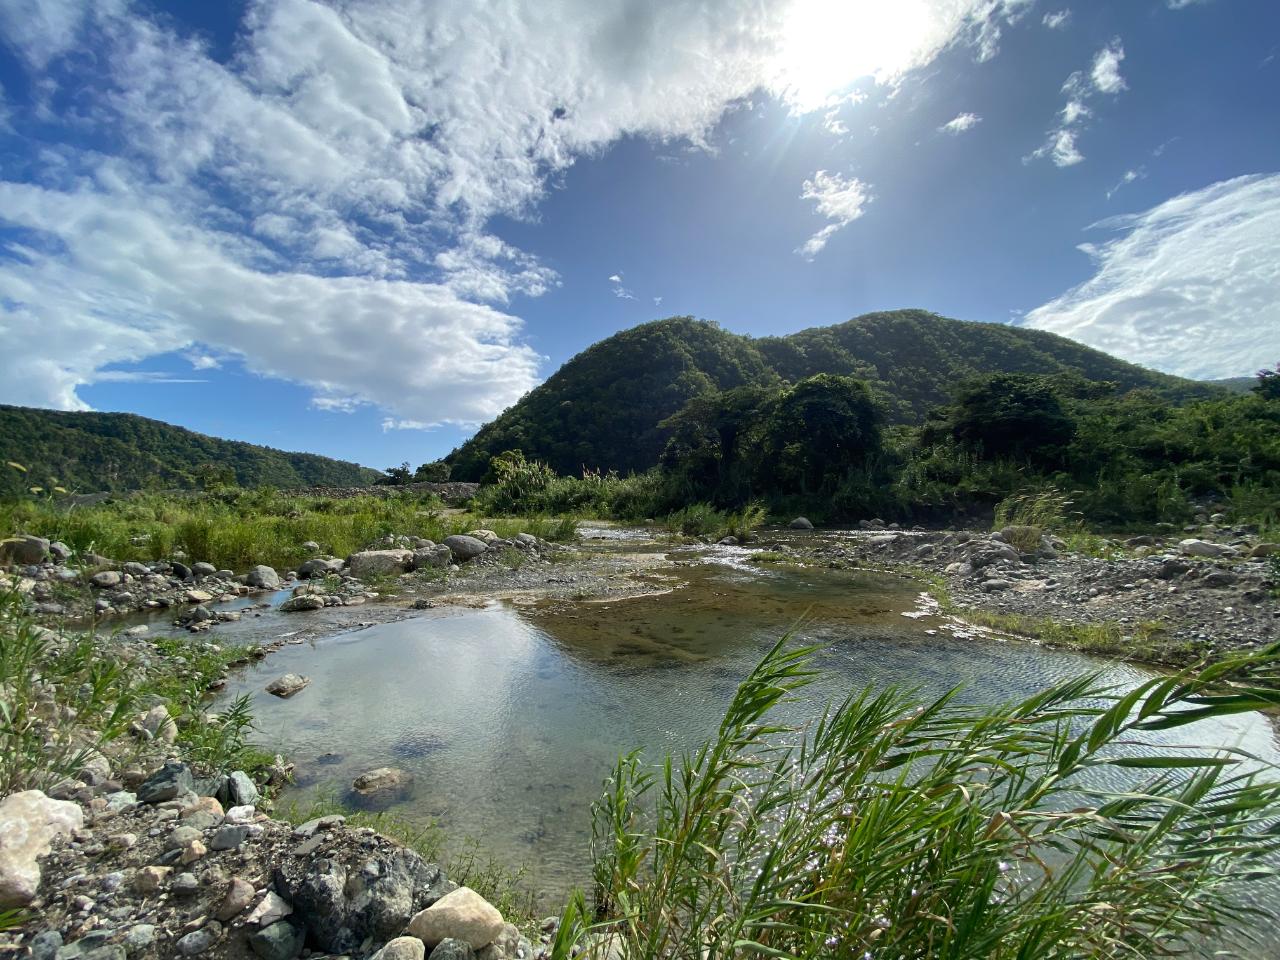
x=828, y=45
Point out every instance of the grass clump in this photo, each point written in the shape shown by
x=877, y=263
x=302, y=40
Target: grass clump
x=897, y=828
x=65, y=698
x=1147, y=641
x=704, y=520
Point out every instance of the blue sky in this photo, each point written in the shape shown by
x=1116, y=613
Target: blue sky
x=362, y=228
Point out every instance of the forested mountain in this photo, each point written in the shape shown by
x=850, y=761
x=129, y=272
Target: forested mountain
x=603, y=408
x=91, y=452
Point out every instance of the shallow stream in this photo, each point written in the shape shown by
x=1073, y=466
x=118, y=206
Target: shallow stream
x=509, y=717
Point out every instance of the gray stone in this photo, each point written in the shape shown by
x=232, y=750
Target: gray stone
x=59, y=552
x=311, y=546
x=461, y=915
x=203, y=569
x=432, y=557
x=166, y=783
x=800, y=523
x=1172, y=568
x=263, y=576
x=24, y=551
x=1218, y=579
x=135, y=569
x=179, y=570
x=185, y=885
x=239, y=895
x=107, y=579
x=319, y=567
x=268, y=910
x=287, y=685
x=302, y=604
x=139, y=937
x=402, y=948
x=464, y=547
x=451, y=949
x=200, y=941
x=240, y=790
x=381, y=779
x=279, y=941
x=379, y=563
x=346, y=902
x=229, y=836
x=45, y=945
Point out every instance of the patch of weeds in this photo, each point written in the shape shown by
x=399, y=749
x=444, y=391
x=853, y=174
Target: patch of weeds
x=1148, y=641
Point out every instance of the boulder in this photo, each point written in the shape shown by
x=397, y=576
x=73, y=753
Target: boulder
x=1204, y=548
x=487, y=536
x=287, y=685
x=800, y=523
x=432, y=557
x=107, y=579
x=461, y=915
x=465, y=547
x=179, y=570
x=381, y=779
x=311, y=546
x=402, y=948
x=240, y=790
x=302, y=603
x=158, y=725
x=23, y=551
x=29, y=821
x=135, y=569
x=264, y=577
x=1171, y=568
x=167, y=783
x=379, y=563
x=203, y=569
x=1262, y=550
x=352, y=896
x=200, y=941
x=319, y=567
x=59, y=552
x=269, y=910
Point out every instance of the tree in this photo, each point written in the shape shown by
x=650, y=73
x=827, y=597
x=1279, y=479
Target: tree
x=1011, y=416
x=1268, y=385
x=818, y=433
x=396, y=476
x=435, y=472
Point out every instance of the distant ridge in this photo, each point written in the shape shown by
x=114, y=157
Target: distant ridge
x=602, y=409
x=116, y=452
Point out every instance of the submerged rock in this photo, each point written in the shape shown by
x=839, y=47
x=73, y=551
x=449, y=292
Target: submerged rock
x=383, y=778
x=287, y=685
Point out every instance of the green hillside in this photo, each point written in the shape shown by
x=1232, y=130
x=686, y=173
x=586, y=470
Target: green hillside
x=602, y=408
x=92, y=452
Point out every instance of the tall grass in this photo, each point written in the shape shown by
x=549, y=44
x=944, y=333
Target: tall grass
x=239, y=529
x=894, y=828
x=704, y=520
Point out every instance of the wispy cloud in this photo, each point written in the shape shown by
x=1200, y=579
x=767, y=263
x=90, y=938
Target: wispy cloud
x=839, y=200
x=960, y=124
x=1061, y=145
x=1128, y=177
x=1191, y=286
x=1057, y=19
x=141, y=376
x=318, y=205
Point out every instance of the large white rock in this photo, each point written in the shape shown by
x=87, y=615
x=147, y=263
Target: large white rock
x=28, y=823
x=373, y=563
x=1203, y=548
x=461, y=915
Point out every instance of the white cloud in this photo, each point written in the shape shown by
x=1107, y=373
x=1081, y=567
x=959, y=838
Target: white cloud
x=961, y=123
x=1191, y=286
x=1129, y=176
x=1183, y=4
x=1057, y=19
x=1106, y=69
x=657, y=301
x=318, y=205
x=615, y=278
x=839, y=200
x=1061, y=144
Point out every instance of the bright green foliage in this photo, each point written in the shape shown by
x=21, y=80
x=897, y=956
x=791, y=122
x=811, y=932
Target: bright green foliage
x=93, y=452
x=604, y=409
x=894, y=828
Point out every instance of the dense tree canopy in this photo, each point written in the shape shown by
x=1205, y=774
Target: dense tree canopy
x=92, y=452
x=604, y=409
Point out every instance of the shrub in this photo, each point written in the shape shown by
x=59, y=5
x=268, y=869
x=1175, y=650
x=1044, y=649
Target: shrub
x=892, y=828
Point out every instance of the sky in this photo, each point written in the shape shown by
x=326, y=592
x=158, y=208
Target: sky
x=364, y=228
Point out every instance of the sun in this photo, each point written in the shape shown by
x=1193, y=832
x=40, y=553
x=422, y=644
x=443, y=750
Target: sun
x=829, y=45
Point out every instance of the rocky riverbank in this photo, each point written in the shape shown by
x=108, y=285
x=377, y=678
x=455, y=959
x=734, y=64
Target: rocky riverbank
x=1207, y=590
x=166, y=870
